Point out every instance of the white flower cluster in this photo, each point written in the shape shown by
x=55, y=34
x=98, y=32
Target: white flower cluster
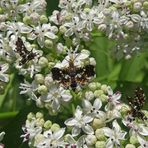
x=51, y=94
x=99, y=123
x=122, y=20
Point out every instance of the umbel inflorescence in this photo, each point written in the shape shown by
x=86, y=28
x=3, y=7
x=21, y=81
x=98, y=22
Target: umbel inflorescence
x=59, y=70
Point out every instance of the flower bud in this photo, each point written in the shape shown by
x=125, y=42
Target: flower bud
x=124, y=109
x=89, y=95
x=98, y=123
x=92, y=61
x=103, y=98
x=43, y=19
x=91, y=140
x=137, y=6
x=133, y=140
x=55, y=127
x=39, y=78
x=99, y=133
x=145, y=5
x=27, y=20
x=62, y=29
x=39, y=115
x=40, y=122
x=43, y=62
x=39, y=103
x=104, y=88
x=98, y=93
x=42, y=89
x=130, y=146
x=87, y=10
x=92, y=86
x=38, y=138
x=100, y=144
x=48, y=43
x=30, y=116
x=48, y=81
x=48, y=124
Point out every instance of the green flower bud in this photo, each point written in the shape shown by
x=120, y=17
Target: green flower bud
x=43, y=19
x=62, y=29
x=39, y=115
x=43, y=62
x=145, y=5
x=99, y=133
x=133, y=140
x=124, y=109
x=87, y=10
x=104, y=87
x=48, y=43
x=34, y=46
x=130, y=146
x=89, y=95
x=137, y=6
x=30, y=116
x=100, y=144
x=103, y=98
x=27, y=20
x=91, y=140
x=39, y=103
x=98, y=93
x=48, y=81
x=39, y=78
x=92, y=86
x=48, y=124
x=42, y=89
x=98, y=85
x=38, y=138
x=55, y=127
x=98, y=123
x=40, y=122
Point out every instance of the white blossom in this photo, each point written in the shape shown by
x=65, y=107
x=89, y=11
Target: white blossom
x=115, y=135
x=80, y=121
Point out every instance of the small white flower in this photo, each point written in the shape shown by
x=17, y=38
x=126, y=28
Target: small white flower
x=136, y=129
x=52, y=139
x=93, y=109
x=115, y=135
x=31, y=129
x=72, y=27
x=29, y=89
x=34, y=6
x=40, y=32
x=56, y=96
x=114, y=99
x=79, y=122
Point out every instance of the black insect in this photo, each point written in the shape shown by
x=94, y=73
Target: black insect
x=23, y=52
x=72, y=76
x=136, y=103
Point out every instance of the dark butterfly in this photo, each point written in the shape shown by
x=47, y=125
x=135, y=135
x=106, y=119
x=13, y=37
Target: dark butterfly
x=23, y=52
x=72, y=76
x=136, y=103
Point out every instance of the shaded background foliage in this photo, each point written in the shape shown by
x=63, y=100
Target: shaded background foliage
x=123, y=75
